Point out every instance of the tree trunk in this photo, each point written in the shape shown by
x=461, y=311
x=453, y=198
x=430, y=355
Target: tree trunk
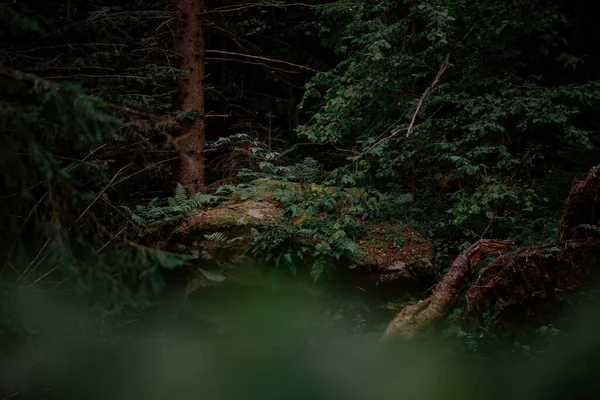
x=188, y=42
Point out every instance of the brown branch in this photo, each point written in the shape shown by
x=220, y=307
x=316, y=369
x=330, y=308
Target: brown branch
x=251, y=63
x=427, y=91
x=110, y=240
x=98, y=76
x=68, y=45
x=122, y=213
x=262, y=58
x=252, y=5
x=102, y=192
x=142, y=170
x=45, y=275
x=35, y=259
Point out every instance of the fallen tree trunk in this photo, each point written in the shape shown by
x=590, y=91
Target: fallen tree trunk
x=414, y=319
x=527, y=278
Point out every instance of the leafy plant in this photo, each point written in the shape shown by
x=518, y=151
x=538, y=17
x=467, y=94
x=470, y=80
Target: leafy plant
x=431, y=90
x=318, y=228
x=221, y=238
x=308, y=171
x=178, y=206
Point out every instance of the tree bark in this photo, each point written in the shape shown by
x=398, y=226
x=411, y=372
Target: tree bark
x=412, y=320
x=526, y=279
x=188, y=43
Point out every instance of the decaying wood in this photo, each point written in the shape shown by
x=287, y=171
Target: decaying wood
x=582, y=208
x=527, y=278
x=413, y=319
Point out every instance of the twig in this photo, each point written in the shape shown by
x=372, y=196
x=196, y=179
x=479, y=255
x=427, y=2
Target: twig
x=142, y=170
x=98, y=76
x=391, y=136
x=34, y=268
x=35, y=259
x=14, y=243
x=231, y=53
x=250, y=63
x=488, y=227
x=43, y=276
x=122, y=214
x=93, y=151
x=68, y=45
x=111, y=239
x=427, y=91
x=378, y=142
x=102, y=192
x=252, y=5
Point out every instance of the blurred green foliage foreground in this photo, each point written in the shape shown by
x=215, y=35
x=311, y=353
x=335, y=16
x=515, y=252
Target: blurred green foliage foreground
x=264, y=347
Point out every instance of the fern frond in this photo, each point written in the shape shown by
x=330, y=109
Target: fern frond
x=180, y=195
x=216, y=237
x=227, y=188
x=202, y=200
x=308, y=171
x=317, y=270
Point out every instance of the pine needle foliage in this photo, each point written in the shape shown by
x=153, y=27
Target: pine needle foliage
x=61, y=170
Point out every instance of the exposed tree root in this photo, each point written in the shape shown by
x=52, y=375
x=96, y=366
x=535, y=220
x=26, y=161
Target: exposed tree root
x=583, y=208
x=413, y=319
x=527, y=278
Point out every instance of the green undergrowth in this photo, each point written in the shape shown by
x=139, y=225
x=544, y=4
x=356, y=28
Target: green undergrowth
x=171, y=209
x=319, y=226
x=293, y=225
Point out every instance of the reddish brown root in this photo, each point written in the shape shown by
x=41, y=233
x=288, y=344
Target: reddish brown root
x=414, y=319
x=527, y=279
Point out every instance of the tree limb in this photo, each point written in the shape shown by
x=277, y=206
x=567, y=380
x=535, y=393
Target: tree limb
x=443, y=68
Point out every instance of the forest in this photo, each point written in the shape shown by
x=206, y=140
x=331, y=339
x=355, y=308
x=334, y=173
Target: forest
x=325, y=199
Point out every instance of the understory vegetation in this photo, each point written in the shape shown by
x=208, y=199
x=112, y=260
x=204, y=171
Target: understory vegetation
x=243, y=180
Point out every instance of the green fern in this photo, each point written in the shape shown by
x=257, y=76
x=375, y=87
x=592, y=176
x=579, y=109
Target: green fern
x=221, y=238
x=317, y=270
x=308, y=171
x=176, y=207
x=180, y=197
x=201, y=200
x=216, y=237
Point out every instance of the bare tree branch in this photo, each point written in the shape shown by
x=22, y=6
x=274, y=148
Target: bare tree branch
x=427, y=91
x=263, y=59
